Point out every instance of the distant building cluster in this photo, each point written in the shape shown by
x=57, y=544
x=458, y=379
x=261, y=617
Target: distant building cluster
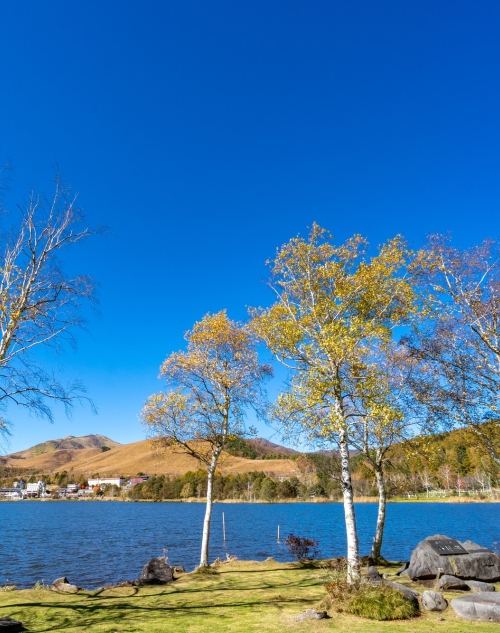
x=22, y=490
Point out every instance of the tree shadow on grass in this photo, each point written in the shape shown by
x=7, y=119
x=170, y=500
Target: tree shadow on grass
x=176, y=590
x=257, y=571
x=129, y=614
x=98, y=592
x=86, y=616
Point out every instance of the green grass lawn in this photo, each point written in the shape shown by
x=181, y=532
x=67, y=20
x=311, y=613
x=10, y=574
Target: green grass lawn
x=243, y=596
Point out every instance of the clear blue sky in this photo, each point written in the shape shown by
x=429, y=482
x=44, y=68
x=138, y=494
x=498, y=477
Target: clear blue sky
x=206, y=134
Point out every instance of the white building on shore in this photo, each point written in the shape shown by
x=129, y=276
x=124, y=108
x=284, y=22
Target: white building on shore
x=37, y=488
x=106, y=481
x=11, y=493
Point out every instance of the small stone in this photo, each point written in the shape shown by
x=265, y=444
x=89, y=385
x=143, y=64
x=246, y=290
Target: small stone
x=403, y=569
x=433, y=601
x=62, y=585
x=178, y=569
x=372, y=574
x=440, y=619
x=450, y=582
x=476, y=586
x=311, y=614
x=9, y=625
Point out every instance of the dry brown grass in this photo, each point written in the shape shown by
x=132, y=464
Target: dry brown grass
x=129, y=459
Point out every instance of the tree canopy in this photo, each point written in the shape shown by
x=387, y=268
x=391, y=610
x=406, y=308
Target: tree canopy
x=211, y=386
x=334, y=309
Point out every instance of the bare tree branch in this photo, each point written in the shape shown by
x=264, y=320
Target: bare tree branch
x=40, y=306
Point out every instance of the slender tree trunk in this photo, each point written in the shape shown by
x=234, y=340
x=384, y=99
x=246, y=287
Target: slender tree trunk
x=382, y=505
x=208, y=513
x=353, y=574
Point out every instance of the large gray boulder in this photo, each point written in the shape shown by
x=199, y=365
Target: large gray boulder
x=372, y=573
x=447, y=583
x=476, y=586
x=480, y=607
x=156, y=572
x=433, y=601
x=466, y=560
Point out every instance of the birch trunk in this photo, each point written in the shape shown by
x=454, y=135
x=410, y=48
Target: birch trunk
x=353, y=573
x=382, y=505
x=208, y=514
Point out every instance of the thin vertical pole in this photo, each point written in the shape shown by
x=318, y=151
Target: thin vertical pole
x=278, y=533
x=223, y=527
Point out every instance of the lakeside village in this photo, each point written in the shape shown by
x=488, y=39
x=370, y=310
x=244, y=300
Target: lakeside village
x=95, y=487
x=247, y=487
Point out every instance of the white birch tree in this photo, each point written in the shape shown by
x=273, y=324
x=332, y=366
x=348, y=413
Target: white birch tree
x=445, y=472
x=385, y=419
x=211, y=386
x=332, y=304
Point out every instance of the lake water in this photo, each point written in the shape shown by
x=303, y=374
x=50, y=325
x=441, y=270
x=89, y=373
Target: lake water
x=98, y=543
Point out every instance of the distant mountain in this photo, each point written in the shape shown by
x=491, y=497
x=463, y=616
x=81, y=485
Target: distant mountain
x=66, y=443
x=130, y=459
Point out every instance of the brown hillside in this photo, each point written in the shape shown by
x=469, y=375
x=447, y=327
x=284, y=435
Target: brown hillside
x=129, y=459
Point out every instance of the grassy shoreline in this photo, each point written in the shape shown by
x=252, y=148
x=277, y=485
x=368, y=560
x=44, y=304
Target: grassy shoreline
x=317, y=500
x=243, y=596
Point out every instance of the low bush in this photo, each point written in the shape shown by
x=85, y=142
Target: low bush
x=366, y=600
x=301, y=548
x=338, y=589
x=380, y=602
x=39, y=585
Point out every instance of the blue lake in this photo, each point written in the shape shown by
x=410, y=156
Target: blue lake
x=97, y=543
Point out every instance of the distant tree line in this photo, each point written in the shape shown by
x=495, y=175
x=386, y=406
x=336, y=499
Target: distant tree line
x=251, y=486
x=446, y=463
x=238, y=447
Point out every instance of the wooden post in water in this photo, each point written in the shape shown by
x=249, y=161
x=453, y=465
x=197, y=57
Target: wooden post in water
x=278, y=533
x=223, y=527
